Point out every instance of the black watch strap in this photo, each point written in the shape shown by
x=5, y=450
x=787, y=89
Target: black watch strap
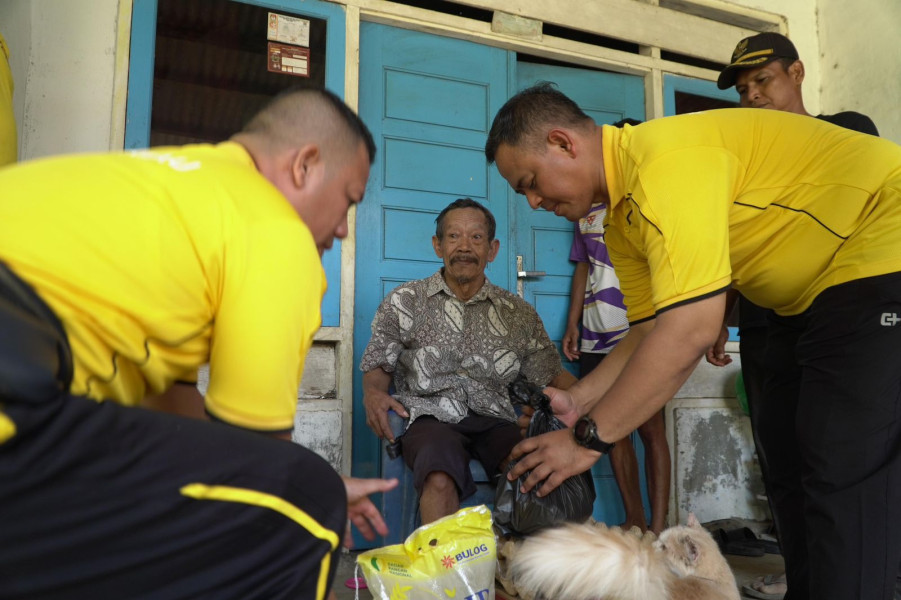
x=585, y=432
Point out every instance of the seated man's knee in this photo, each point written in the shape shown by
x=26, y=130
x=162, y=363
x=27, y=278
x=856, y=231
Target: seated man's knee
x=440, y=482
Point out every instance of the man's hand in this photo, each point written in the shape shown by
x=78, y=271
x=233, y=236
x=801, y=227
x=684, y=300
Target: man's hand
x=360, y=509
x=570, y=343
x=377, y=405
x=716, y=354
x=524, y=419
x=377, y=402
x=563, y=406
x=552, y=458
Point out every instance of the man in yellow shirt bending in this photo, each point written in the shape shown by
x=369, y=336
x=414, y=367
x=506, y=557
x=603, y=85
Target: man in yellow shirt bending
x=120, y=275
x=799, y=215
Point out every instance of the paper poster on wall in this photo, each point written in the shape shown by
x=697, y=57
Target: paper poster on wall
x=288, y=30
x=291, y=60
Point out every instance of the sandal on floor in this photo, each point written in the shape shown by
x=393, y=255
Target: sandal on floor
x=356, y=583
x=739, y=547
x=745, y=534
x=767, y=580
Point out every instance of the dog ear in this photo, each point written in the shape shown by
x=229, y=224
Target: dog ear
x=693, y=521
x=692, y=550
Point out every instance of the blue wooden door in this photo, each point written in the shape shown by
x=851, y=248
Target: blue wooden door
x=429, y=101
x=543, y=239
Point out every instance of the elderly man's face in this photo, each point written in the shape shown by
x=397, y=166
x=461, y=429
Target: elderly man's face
x=771, y=86
x=551, y=179
x=465, y=246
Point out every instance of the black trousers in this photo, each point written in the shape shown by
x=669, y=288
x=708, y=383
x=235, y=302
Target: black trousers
x=98, y=500
x=829, y=423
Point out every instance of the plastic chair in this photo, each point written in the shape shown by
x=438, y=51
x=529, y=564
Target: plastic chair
x=400, y=506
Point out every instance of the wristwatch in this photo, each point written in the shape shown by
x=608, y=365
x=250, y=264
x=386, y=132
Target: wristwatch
x=586, y=433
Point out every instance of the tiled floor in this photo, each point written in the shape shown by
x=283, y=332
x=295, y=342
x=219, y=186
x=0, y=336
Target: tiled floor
x=745, y=570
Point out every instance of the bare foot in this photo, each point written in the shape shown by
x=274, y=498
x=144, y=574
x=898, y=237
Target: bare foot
x=630, y=523
x=770, y=584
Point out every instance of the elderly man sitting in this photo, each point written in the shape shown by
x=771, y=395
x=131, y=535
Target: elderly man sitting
x=452, y=342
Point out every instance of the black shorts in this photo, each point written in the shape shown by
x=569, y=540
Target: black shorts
x=588, y=361
x=430, y=445
x=99, y=500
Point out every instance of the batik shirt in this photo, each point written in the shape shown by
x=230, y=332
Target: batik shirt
x=604, y=321
x=450, y=358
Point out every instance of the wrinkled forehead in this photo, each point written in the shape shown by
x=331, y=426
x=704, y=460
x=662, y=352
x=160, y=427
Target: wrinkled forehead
x=468, y=217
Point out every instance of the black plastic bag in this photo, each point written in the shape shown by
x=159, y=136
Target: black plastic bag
x=522, y=514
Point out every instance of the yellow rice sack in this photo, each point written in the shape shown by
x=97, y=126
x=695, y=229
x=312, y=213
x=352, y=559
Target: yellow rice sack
x=453, y=557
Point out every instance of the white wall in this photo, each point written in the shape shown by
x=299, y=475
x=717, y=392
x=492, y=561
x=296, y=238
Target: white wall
x=861, y=60
x=850, y=51
x=63, y=56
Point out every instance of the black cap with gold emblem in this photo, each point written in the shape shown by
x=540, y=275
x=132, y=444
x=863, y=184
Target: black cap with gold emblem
x=756, y=51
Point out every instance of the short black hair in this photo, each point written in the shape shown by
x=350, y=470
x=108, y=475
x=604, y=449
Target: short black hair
x=627, y=121
x=353, y=122
x=465, y=203
x=523, y=114
x=302, y=108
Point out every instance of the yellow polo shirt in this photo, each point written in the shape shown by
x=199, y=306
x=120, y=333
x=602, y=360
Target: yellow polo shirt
x=778, y=205
x=159, y=261
x=8, y=143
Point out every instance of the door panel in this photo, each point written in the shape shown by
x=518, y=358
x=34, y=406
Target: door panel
x=544, y=240
x=429, y=102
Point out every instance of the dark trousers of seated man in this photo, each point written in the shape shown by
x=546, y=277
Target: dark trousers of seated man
x=439, y=454
x=829, y=422
x=99, y=500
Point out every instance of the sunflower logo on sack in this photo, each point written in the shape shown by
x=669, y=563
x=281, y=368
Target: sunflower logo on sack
x=448, y=562
x=400, y=593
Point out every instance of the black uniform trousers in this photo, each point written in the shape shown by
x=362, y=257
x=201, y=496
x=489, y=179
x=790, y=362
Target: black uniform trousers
x=99, y=500
x=829, y=427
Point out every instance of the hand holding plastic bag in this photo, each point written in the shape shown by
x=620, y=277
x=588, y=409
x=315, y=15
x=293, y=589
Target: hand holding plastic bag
x=522, y=514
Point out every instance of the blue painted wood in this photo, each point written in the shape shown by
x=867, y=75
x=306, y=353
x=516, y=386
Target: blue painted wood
x=698, y=87
x=429, y=101
x=140, y=97
x=544, y=240
x=140, y=74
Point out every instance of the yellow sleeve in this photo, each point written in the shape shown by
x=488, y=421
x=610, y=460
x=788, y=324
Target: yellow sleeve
x=269, y=310
x=675, y=231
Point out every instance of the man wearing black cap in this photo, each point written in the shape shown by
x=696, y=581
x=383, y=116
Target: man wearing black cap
x=767, y=73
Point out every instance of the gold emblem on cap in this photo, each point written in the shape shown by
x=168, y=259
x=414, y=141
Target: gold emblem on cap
x=740, y=49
